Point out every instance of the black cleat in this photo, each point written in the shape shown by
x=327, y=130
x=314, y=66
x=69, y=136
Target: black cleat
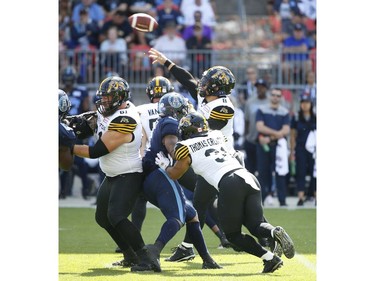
x=145, y=267
x=272, y=265
x=181, y=254
x=118, y=250
x=210, y=265
x=275, y=247
x=282, y=238
x=126, y=263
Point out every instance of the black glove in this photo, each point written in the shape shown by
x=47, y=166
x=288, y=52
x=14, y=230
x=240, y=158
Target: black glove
x=83, y=125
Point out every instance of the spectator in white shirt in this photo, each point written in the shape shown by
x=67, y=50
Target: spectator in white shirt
x=189, y=7
x=114, y=51
x=171, y=44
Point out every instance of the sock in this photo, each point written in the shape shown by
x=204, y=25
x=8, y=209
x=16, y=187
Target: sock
x=195, y=233
x=159, y=245
x=138, y=214
x=117, y=238
x=130, y=233
x=246, y=243
x=168, y=230
x=267, y=256
x=187, y=245
x=219, y=234
x=129, y=254
x=187, y=240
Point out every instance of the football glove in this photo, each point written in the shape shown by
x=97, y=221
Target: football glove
x=84, y=125
x=162, y=161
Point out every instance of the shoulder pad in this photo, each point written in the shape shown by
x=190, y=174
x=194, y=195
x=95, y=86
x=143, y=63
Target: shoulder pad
x=181, y=151
x=123, y=124
x=222, y=112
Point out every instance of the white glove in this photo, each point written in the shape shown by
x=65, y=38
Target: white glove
x=162, y=161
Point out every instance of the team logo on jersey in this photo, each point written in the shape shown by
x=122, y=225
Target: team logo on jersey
x=174, y=101
x=224, y=110
x=124, y=120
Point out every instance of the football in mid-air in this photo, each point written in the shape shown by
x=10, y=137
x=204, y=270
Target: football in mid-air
x=143, y=22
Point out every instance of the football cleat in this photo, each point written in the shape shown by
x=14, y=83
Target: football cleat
x=210, y=264
x=272, y=265
x=282, y=238
x=126, y=262
x=180, y=253
x=275, y=247
x=149, y=257
x=118, y=250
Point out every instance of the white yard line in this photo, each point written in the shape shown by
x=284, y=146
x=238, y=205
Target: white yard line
x=304, y=261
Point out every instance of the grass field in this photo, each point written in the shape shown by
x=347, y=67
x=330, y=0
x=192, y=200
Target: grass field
x=86, y=251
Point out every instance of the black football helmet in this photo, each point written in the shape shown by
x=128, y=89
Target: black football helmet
x=158, y=87
x=216, y=81
x=174, y=105
x=64, y=104
x=69, y=76
x=116, y=90
x=193, y=125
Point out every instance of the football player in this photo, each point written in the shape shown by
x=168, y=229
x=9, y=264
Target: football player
x=119, y=133
x=164, y=193
x=156, y=88
x=211, y=93
x=80, y=102
x=240, y=201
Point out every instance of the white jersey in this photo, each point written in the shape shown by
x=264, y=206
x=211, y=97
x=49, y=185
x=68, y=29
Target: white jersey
x=219, y=109
x=126, y=158
x=149, y=114
x=209, y=155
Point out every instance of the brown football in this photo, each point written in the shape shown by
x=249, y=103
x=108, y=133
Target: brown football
x=143, y=22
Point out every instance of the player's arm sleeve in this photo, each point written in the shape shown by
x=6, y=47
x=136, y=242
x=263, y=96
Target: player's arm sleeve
x=181, y=151
x=186, y=79
x=219, y=117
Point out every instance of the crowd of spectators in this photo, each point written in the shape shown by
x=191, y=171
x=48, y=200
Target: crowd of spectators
x=102, y=25
x=84, y=24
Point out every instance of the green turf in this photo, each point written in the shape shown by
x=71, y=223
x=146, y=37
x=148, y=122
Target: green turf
x=86, y=250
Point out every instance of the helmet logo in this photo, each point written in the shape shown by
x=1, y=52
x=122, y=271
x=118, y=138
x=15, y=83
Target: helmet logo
x=158, y=89
x=185, y=122
x=221, y=76
x=112, y=85
x=174, y=101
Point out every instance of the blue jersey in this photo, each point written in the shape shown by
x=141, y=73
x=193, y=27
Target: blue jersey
x=66, y=136
x=164, y=126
